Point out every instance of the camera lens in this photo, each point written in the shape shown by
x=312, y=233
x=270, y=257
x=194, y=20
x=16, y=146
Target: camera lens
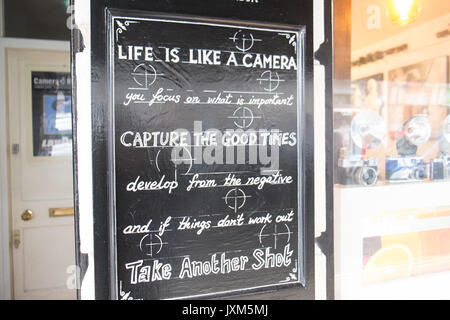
x=420, y=174
x=367, y=176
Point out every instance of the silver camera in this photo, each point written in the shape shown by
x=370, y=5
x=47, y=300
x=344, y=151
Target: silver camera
x=362, y=172
x=366, y=132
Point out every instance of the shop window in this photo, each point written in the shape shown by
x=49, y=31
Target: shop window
x=43, y=19
x=392, y=153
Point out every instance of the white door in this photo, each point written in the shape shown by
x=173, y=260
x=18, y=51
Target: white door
x=42, y=245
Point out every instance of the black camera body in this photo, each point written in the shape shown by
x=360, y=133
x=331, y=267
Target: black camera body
x=440, y=168
x=358, y=171
x=405, y=169
x=407, y=166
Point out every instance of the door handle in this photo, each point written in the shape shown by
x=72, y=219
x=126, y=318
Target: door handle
x=27, y=215
x=16, y=239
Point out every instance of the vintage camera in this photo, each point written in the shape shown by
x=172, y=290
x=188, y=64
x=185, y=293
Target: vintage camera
x=366, y=132
x=358, y=171
x=440, y=168
x=408, y=167
x=405, y=168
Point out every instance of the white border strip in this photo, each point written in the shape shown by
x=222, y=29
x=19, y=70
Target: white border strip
x=320, y=213
x=84, y=147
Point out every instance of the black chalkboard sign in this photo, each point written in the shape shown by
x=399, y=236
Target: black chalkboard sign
x=205, y=149
x=201, y=120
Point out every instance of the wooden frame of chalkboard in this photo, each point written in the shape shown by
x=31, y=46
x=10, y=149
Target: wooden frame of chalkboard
x=186, y=277
x=286, y=15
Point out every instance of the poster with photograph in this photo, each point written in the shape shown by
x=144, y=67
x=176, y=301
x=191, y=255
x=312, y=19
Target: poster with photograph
x=368, y=93
x=52, y=114
x=420, y=88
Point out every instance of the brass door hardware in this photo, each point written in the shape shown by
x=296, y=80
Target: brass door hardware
x=61, y=212
x=16, y=239
x=27, y=215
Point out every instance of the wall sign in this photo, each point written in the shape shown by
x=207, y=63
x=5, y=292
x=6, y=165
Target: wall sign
x=52, y=114
x=205, y=146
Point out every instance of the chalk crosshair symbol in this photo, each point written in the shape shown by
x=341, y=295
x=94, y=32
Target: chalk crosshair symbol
x=182, y=160
x=240, y=37
x=245, y=115
x=145, y=75
x=276, y=235
x=177, y=161
x=237, y=198
x=150, y=244
x=272, y=78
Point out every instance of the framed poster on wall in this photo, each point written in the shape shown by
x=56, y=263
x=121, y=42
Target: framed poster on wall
x=52, y=114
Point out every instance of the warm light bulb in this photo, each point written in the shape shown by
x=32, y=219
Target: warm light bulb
x=403, y=7
x=404, y=11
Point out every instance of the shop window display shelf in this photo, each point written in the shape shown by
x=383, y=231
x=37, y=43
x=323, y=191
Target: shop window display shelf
x=412, y=218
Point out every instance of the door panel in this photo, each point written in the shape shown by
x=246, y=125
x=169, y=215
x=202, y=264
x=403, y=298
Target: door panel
x=43, y=247
x=44, y=242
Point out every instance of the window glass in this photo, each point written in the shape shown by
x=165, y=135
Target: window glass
x=43, y=19
x=392, y=153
